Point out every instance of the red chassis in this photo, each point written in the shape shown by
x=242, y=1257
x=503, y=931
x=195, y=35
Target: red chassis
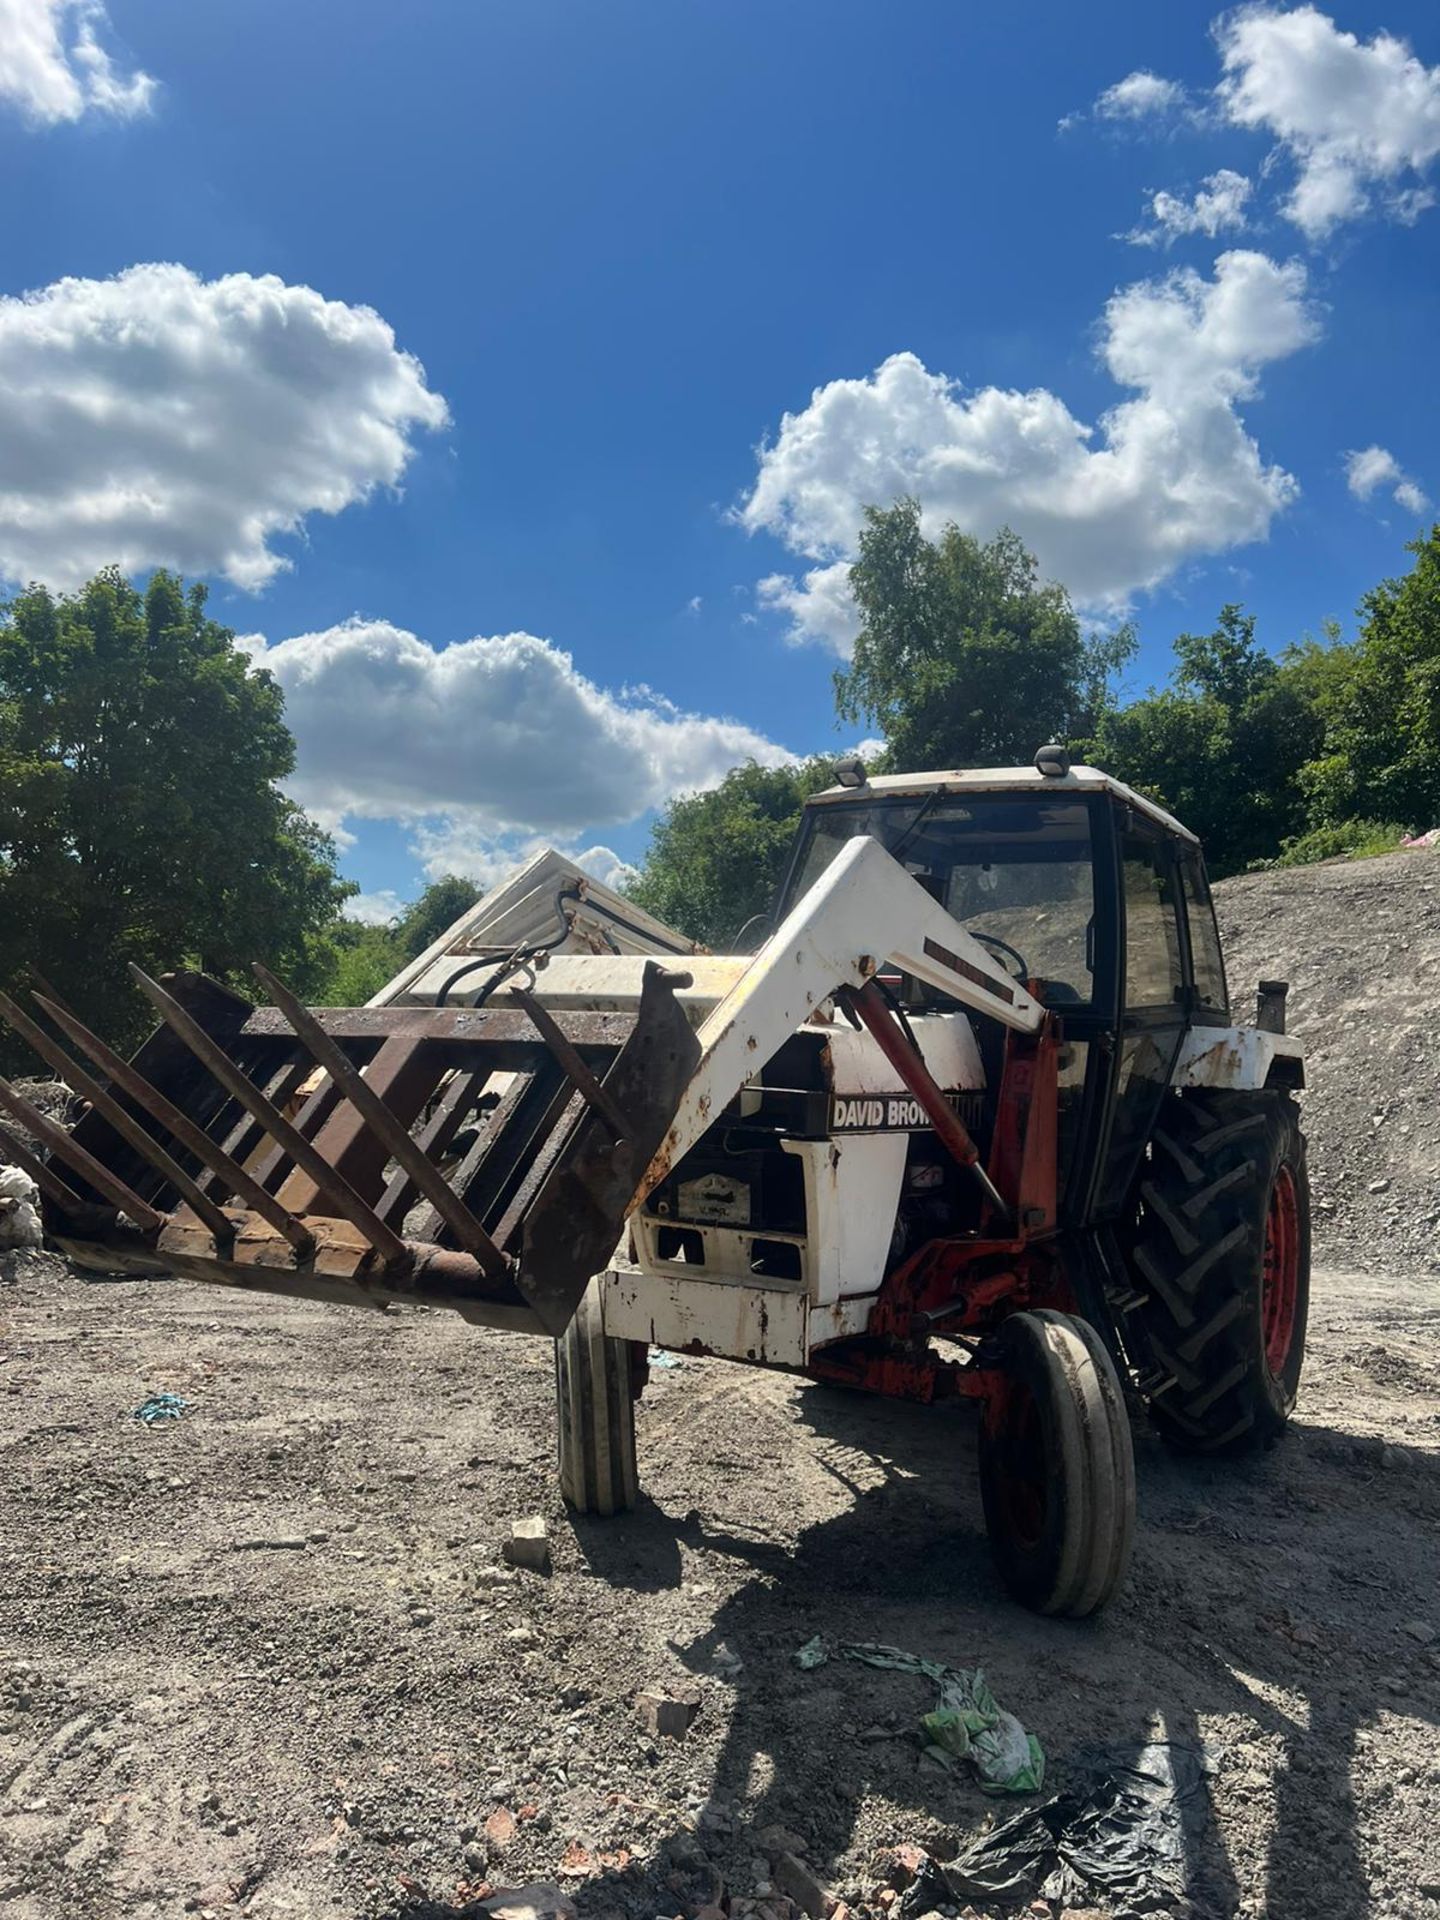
x=964, y=1287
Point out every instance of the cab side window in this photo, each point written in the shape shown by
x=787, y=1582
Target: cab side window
x=1154, y=975
x=1211, y=992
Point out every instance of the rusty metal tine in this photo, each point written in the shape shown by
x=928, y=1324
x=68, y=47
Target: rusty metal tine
x=392, y=1135
x=44, y=1176
x=41, y=989
x=233, y=1176
x=125, y=1124
x=78, y=1160
x=435, y=1136
x=579, y=1074
x=386, y=1242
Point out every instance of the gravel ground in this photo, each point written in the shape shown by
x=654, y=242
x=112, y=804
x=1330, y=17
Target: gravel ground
x=267, y=1659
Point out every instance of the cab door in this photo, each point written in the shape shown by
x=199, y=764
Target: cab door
x=1154, y=1000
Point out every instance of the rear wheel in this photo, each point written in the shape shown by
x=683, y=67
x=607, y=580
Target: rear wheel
x=1220, y=1259
x=1057, y=1470
x=595, y=1413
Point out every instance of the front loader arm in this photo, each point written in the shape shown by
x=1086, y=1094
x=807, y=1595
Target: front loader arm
x=865, y=909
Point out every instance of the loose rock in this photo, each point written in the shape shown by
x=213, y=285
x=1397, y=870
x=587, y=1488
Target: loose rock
x=668, y=1714
x=798, y=1883
x=773, y=1840
x=500, y=1828
x=528, y=1545
x=902, y=1863
x=541, y=1900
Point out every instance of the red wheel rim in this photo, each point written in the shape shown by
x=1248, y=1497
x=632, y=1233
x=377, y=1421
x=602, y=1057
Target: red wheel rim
x=1280, y=1284
x=1022, y=1477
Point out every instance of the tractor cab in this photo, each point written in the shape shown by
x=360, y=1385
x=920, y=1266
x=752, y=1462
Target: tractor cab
x=1086, y=892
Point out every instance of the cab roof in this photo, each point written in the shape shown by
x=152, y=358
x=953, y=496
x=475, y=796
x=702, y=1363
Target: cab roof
x=892, y=786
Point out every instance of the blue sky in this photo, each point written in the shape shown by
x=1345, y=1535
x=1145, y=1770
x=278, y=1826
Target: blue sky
x=622, y=243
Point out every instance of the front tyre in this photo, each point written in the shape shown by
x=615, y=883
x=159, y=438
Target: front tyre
x=595, y=1413
x=1057, y=1468
x=1219, y=1255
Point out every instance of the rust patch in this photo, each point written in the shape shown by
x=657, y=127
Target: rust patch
x=1224, y=1062
x=966, y=972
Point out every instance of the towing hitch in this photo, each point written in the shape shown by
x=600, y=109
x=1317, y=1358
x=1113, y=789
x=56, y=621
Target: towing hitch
x=483, y=1160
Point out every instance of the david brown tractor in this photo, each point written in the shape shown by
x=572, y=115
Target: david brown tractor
x=979, y=1086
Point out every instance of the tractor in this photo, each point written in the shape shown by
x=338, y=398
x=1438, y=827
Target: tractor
x=973, y=1121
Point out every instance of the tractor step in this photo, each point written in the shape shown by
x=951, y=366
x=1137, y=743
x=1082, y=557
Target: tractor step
x=484, y=1160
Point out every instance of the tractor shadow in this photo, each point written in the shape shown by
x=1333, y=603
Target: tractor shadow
x=1261, y=1594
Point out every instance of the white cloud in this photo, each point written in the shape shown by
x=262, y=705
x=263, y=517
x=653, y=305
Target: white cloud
x=1217, y=207
x=818, y=606
x=374, y=909
x=1368, y=469
x=488, y=862
x=605, y=865
x=1167, y=476
x=488, y=746
x=1139, y=96
x=1408, y=206
x=1371, y=468
x=53, y=66
x=1355, y=116
x=1412, y=498
x=156, y=419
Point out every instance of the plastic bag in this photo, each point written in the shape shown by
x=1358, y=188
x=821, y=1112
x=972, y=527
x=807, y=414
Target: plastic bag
x=1126, y=1839
x=967, y=1723
x=19, y=1209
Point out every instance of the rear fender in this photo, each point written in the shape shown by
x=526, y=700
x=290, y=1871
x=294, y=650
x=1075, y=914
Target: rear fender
x=1243, y=1058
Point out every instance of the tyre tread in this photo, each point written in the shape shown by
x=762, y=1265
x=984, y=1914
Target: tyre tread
x=1200, y=1316
x=1092, y=1470
x=595, y=1413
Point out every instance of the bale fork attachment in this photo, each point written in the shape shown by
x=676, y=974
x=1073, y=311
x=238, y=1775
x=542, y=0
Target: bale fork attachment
x=313, y=1152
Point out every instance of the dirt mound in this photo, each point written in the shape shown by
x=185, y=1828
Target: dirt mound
x=1359, y=942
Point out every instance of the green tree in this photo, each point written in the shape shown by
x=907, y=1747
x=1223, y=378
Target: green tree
x=437, y=909
x=140, y=812
x=716, y=859
x=965, y=658
x=364, y=958
x=1223, y=745
x=1379, y=702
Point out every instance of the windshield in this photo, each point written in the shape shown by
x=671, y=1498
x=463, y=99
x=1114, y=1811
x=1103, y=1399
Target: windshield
x=1016, y=872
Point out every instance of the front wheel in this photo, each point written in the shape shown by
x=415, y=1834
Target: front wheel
x=1057, y=1466
x=595, y=1413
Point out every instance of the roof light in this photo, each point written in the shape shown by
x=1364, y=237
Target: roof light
x=1053, y=762
x=850, y=772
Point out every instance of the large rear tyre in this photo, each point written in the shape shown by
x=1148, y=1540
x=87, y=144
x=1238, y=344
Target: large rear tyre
x=1220, y=1256
x=1057, y=1467
x=595, y=1413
